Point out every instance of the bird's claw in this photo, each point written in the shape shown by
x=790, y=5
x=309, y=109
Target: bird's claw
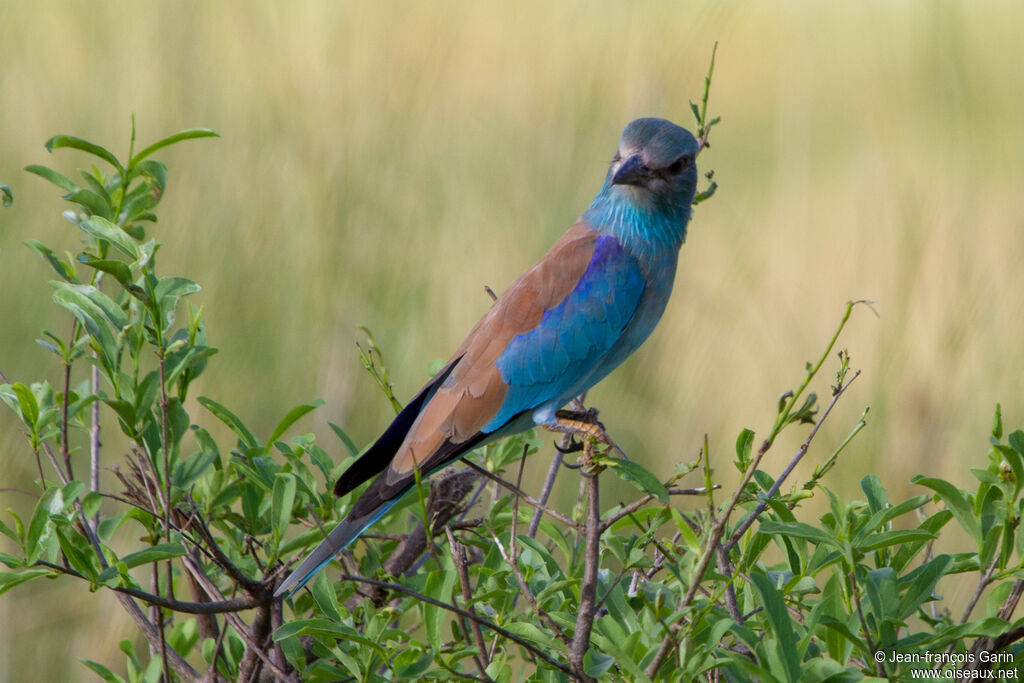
x=574, y=446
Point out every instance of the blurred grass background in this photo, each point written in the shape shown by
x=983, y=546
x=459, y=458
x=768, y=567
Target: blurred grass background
x=380, y=162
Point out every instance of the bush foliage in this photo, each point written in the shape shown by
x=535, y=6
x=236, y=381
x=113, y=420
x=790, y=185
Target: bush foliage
x=483, y=581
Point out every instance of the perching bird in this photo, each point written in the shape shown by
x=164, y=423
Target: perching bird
x=557, y=330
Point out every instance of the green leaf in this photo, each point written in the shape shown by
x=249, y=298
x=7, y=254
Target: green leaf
x=92, y=202
x=28, y=404
x=76, y=550
x=888, y=538
x=70, y=492
x=1016, y=440
x=639, y=477
x=9, y=580
x=95, y=181
x=322, y=589
x=696, y=113
x=923, y=586
x=102, y=229
x=1016, y=462
x=91, y=504
x=6, y=195
x=47, y=255
x=744, y=446
x=956, y=502
x=293, y=415
x=282, y=500
x=779, y=620
x=596, y=663
x=231, y=420
x=413, y=671
x=92, y=301
x=51, y=502
x=323, y=627
x=798, y=530
x=156, y=553
x=883, y=516
x=439, y=586
x=190, y=134
x=174, y=287
x=58, y=141
x=104, y=673
x=61, y=181
x=872, y=487
x=349, y=444
x=120, y=270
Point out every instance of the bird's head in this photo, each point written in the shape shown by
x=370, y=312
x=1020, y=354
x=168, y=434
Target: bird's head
x=655, y=165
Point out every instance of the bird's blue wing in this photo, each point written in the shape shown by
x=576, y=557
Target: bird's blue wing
x=568, y=345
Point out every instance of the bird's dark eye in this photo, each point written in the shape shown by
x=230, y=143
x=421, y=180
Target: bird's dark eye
x=679, y=165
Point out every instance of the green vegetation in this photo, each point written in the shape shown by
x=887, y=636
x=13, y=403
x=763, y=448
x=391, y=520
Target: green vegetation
x=197, y=529
x=381, y=162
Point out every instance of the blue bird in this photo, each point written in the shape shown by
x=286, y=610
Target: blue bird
x=557, y=330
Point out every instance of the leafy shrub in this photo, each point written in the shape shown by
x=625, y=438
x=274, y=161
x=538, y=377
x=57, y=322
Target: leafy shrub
x=489, y=583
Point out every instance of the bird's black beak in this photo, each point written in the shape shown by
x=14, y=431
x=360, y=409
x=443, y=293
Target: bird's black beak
x=631, y=172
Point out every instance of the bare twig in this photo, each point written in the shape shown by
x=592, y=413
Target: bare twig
x=398, y=588
x=986, y=578
x=879, y=670
x=266, y=598
x=512, y=561
x=549, y=484
x=65, y=449
x=726, y=568
x=459, y=556
x=249, y=667
x=94, y=435
x=56, y=465
x=149, y=632
x=158, y=618
x=800, y=453
x=219, y=607
x=588, y=590
x=527, y=498
x=717, y=530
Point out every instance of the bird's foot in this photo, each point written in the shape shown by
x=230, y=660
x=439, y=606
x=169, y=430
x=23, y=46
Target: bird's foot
x=586, y=426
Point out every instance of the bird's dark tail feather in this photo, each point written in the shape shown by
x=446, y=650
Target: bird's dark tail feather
x=379, y=455
x=340, y=537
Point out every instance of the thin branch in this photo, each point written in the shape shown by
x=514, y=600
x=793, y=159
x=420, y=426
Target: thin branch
x=149, y=632
x=512, y=562
x=158, y=618
x=611, y=587
x=591, y=561
x=221, y=559
x=53, y=461
x=525, y=496
x=717, y=530
x=94, y=436
x=985, y=580
x=766, y=498
x=249, y=667
x=459, y=556
x=233, y=619
x=726, y=568
x=65, y=450
x=627, y=510
x=879, y=671
x=549, y=484
x=233, y=605
x=399, y=588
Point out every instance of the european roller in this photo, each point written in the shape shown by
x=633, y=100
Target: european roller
x=558, y=329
